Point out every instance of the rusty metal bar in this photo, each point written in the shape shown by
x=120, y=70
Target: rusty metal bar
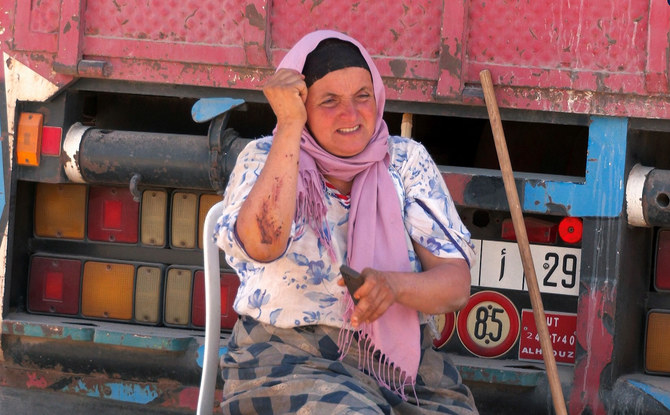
x=95, y=155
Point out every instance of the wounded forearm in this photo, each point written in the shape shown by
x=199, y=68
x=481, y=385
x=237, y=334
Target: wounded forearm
x=265, y=218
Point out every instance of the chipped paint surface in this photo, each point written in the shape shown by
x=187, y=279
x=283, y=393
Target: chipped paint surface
x=602, y=192
x=21, y=83
x=563, y=57
x=595, y=337
x=159, y=393
x=519, y=377
x=201, y=354
x=118, y=391
x=107, y=333
x=24, y=84
x=661, y=395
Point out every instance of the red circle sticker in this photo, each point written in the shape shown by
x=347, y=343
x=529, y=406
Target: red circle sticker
x=489, y=324
x=446, y=324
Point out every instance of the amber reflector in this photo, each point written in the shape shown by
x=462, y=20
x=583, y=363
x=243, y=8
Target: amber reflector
x=112, y=215
x=153, y=217
x=662, y=274
x=60, y=210
x=53, y=286
x=206, y=203
x=107, y=290
x=29, y=139
x=229, y=284
x=657, y=353
x=184, y=212
x=147, y=294
x=177, y=296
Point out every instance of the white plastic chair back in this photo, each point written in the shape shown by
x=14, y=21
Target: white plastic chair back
x=210, y=365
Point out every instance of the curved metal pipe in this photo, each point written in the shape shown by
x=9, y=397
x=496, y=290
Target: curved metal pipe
x=212, y=312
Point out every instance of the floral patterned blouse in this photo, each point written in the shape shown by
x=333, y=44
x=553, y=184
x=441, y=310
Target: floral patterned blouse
x=300, y=287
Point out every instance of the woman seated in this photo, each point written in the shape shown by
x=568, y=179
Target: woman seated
x=332, y=187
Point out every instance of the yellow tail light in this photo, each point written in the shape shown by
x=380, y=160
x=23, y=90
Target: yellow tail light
x=178, y=296
x=107, y=290
x=153, y=217
x=184, y=212
x=657, y=353
x=60, y=210
x=206, y=203
x=29, y=139
x=147, y=294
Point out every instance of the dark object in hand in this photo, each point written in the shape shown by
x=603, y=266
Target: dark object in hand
x=352, y=279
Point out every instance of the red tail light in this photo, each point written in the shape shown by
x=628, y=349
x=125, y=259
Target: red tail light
x=51, y=139
x=229, y=284
x=539, y=231
x=54, y=285
x=662, y=274
x=112, y=215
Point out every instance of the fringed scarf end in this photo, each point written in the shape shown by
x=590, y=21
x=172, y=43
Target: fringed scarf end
x=310, y=209
x=386, y=373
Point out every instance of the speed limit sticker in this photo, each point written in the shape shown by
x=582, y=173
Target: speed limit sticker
x=488, y=326
x=446, y=323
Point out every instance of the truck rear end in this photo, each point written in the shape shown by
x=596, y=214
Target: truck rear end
x=110, y=167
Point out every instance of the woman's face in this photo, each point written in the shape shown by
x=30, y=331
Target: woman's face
x=341, y=111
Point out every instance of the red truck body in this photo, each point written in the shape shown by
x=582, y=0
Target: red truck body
x=584, y=90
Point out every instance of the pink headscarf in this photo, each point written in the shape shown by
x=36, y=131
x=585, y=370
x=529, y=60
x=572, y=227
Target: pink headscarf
x=376, y=235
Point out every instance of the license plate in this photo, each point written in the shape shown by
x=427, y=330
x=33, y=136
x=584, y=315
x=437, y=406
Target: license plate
x=499, y=265
x=562, y=327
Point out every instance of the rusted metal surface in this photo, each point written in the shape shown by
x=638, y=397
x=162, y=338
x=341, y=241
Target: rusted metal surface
x=565, y=56
x=149, y=366
x=102, y=333
x=163, y=393
x=595, y=339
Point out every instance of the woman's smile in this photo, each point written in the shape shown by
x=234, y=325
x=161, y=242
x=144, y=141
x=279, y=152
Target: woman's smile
x=348, y=130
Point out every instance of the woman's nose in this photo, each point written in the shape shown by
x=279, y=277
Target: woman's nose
x=348, y=109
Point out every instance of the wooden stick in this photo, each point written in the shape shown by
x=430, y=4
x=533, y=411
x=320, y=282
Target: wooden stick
x=522, y=240
x=406, y=125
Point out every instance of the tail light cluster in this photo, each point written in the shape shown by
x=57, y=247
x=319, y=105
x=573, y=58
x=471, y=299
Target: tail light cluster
x=113, y=216
x=145, y=293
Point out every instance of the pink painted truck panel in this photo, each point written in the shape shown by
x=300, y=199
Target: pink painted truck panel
x=566, y=56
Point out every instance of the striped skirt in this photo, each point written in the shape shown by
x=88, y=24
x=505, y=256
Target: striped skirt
x=269, y=370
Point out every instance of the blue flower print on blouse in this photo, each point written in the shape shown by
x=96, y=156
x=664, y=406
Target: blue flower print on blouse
x=324, y=300
x=300, y=287
x=311, y=317
x=315, y=269
x=274, y=315
x=258, y=299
